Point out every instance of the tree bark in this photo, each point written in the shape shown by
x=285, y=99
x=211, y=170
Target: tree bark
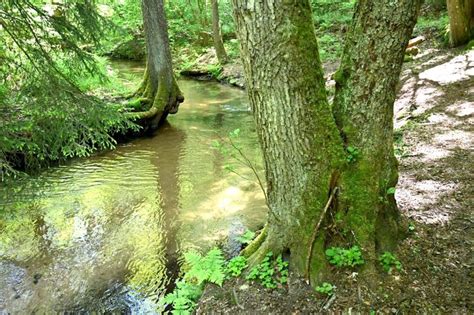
x=363, y=108
x=310, y=174
x=216, y=34
x=159, y=90
x=300, y=142
x=461, y=19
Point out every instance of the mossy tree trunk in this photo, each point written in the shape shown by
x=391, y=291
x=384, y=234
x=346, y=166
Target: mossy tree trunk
x=311, y=176
x=363, y=109
x=216, y=34
x=461, y=19
x=159, y=91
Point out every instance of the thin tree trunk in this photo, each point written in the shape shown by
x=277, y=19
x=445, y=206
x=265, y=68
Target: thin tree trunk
x=216, y=34
x=460, y=21
x=159, y=90
x=312, y=178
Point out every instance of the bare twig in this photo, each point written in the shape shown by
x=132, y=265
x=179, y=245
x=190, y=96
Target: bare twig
x=315, y=232
x=237, y=300
x=250, y=164
x=246, y=162
x=328, y=304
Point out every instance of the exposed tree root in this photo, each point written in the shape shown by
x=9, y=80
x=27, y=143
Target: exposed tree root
x=256, y=243
x=165, y=100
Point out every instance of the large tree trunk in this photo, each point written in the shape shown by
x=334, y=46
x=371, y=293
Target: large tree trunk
x=461, y=19
x=301, y=145
x=216, y=34
x=311, y=177
x=363, y=108
x=159, y=90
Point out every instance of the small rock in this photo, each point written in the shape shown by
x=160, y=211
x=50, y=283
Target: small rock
x=244, y=287
x=36, y=278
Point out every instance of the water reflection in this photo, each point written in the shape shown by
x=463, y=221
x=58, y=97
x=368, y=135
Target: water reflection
x=104, y=233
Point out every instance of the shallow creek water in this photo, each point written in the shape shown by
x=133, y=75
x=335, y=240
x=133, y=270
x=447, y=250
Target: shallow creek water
x=105, y=233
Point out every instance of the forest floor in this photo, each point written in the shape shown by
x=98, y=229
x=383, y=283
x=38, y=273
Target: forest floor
x=434, y=117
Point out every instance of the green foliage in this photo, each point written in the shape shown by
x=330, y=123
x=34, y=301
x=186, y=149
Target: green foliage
x=469, y=45
x=432, y=24
x=390, y=261
x=234, y=133
x=126, y=23
x=325, y=288
x=199, y=270
x=127, y=14
x=270, y=272
x=435, y=5
x=49, y=106
x=236, y=265
x=183, y=298
x=208, y=268
x=399, y=145
x=189, y=22
x=247, y=237
x=215, y=70
x=437, y=24
x=391, y=191
x=232, y=48
x=411, y=227
x=352, y=154
x=332, y=19
x=342, y=257
x=186, y=65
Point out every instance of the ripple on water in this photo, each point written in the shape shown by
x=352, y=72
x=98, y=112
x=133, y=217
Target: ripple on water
x=105, y=233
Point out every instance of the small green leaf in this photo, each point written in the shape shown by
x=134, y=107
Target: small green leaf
x=216, y=144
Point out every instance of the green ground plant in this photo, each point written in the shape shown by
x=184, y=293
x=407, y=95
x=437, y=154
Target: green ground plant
x=270, y=272
x=325, y=288
x=236, y=265
x=434, y=23
x=390, y=262
x=183, y=298
x=215, y=70
x=246, y=237
x=210, y=267
x=352, y=154
x=391, y=191
x=341, y=257
x=199, y=269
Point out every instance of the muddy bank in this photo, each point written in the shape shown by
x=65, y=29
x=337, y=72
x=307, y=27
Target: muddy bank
x=206, y=67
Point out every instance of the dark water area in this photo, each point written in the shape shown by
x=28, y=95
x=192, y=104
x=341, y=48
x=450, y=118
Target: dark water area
x=106, y=233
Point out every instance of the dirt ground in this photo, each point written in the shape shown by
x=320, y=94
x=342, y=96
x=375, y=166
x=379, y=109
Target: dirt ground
x=434, y=122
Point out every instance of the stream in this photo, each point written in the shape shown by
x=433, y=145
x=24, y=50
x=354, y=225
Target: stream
x=106, y=233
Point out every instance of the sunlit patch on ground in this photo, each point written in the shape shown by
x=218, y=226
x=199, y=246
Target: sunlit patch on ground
x=419, y=199
x=457, y=69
